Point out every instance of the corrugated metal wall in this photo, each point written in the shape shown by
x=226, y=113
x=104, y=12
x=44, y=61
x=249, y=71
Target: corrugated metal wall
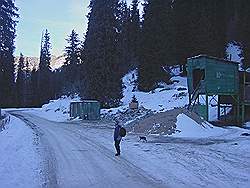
x=89, y=110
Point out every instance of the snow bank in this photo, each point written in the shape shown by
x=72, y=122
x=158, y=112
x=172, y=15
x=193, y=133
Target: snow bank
x=186, y=127
x=56, y=110
x=19, y=162
x=164, y=98
x=247, y=125
x=234, y=51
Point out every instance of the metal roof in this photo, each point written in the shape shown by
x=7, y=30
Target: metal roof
x=211, y=57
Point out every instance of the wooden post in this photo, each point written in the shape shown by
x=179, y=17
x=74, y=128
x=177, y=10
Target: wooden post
x=189, y=99
x=244, y=98
x=238, y=109
x=207, y=107
x=243, y=113
x=218, y=107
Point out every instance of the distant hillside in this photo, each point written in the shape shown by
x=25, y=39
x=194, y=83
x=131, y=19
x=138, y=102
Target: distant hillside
x=56, y=62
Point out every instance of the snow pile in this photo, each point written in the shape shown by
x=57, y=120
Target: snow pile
x=19, y=161
x=56, y=110
x=187, y=127
x=247, y=125
x=234, y=51
x=164, y=98
x=178, y=121
x=156, y=114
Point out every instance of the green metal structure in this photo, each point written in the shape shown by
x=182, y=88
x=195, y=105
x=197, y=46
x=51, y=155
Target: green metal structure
x=87, y=109
x=212, y=76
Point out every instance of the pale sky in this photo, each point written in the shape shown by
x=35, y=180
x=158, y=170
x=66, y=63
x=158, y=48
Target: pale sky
x=58, y=16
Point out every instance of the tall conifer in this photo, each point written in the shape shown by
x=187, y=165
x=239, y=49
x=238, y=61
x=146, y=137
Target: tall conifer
x=102, y=57
x=20, y=82
x=158, y=45
x=44, y=72
x=71, y=67
x=8, y=15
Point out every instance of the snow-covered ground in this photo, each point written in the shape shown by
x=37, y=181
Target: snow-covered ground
x=56, y=110
x=197, y=155
x=189, y=128
x=234, y=52
x=19, y=160
x=161, y=99
x=193, y=157
x=247, y=125
x=84, y=155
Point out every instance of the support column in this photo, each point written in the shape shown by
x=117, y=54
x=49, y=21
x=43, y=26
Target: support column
x=238, y=109
x=218, y=107
x=189, y=99
x=207, y=106
x=243, y=113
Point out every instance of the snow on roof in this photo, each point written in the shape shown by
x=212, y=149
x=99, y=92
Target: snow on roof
x=80, y=101
x=211, y=57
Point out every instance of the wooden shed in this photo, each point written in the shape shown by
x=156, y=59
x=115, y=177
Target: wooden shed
x=211, y=76
x=215, y=76
x=86, y=109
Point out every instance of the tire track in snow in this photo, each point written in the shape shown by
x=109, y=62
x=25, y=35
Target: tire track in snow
x=75, y=153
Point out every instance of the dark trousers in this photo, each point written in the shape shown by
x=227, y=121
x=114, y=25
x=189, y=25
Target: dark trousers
x=117, y=146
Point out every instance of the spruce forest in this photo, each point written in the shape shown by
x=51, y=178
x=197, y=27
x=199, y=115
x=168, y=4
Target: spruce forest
x=121, y=37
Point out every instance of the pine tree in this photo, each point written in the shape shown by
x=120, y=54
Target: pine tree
x=183, y=39
x=34, y=88
x=158, y=45
x=44, y=72
x=135, y=31
x=103, y=78
x=8, y=15
x=208, y=28
x=244, y=30
x=20, y=82
x=27, y=85
x=124, y=50
x=200, y=28
x=71, y=66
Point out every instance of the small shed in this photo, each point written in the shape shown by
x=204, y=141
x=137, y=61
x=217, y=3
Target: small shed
x=86, y=109
x=211, y=76
x=214, y=76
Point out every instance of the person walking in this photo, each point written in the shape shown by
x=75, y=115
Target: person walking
x=117, y=138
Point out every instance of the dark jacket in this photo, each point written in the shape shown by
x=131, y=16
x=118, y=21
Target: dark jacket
x=116, y=132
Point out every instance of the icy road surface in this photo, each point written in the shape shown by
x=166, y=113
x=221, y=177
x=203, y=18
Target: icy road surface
x=83, y=156
x=75, y=159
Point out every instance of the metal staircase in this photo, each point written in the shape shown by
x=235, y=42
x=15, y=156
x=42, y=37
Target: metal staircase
x=194, y=96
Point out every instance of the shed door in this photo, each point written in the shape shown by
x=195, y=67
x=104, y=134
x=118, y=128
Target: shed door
x=198, y=75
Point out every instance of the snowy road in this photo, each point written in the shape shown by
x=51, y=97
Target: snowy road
x=73, y=158
x=82, y=155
